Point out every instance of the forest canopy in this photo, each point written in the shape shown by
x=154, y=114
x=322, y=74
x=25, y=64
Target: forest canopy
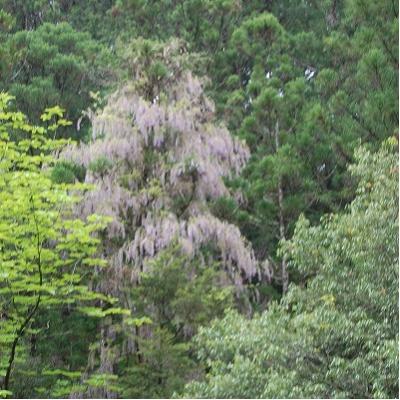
x=199, y=198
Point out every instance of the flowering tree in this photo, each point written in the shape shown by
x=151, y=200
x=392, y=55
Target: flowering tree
x=157, y=157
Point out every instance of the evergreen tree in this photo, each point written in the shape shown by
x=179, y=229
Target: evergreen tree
x=178, y=295
x=53, y=64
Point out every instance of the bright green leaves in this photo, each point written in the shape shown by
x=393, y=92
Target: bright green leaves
x=55, y=111
x=5, y=98
x=68, y=374
x=98, y=313
x=44, y=249
x=52, y=111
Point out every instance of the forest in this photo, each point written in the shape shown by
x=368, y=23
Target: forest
x=199, y=199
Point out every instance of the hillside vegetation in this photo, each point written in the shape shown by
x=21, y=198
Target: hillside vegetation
x=199, y=198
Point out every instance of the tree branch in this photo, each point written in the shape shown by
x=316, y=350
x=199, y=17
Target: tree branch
x=28, y=318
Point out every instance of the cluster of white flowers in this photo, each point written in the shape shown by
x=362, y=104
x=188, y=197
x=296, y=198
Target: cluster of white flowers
x=191, y=155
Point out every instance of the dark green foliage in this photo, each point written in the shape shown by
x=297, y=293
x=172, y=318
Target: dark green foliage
x=268, y=101
x=63, y=339
x=67, y=172
x=53, y=65
x=178, y=295
x=164, y=367
x=319, y=93
x=29, y=15
x=362, y=73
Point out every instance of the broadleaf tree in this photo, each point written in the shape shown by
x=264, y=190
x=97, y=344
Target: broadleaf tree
x=338, y=336
x=46, y=252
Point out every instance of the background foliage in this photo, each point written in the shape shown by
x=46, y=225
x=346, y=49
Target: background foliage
x=244, y=156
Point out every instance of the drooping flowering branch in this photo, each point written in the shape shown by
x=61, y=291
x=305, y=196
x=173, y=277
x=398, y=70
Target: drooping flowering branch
x=155, y=163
